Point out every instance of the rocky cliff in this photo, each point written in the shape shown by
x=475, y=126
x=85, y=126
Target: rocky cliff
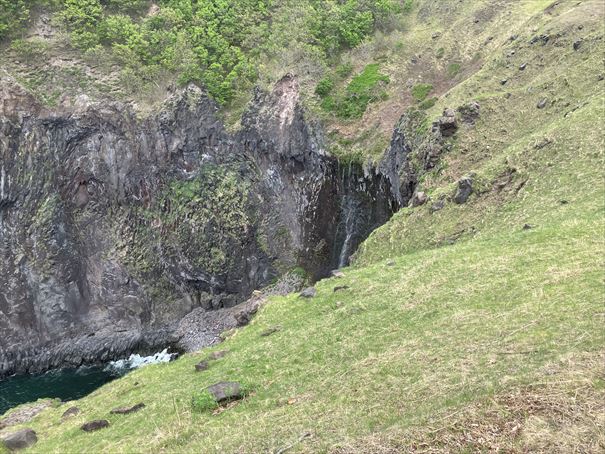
x=112, y=228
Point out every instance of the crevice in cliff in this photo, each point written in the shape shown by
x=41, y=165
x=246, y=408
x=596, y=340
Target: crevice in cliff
x=364, y=204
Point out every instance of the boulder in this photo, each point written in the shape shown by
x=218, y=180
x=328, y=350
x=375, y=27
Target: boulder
x=226, y=391
x=309, y=292
x=20, y=440
x=470, y=112
x=71, y=411
x=464, y=191
x=95, y=425
x=201, y=366
x=337, y=274
x=418, y=199
x=447, y=123
x=244, y=316
x=127, y=410
x=437, y=206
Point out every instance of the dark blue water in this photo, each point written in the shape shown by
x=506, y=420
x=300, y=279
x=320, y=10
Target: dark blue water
x=70, y=384
x=65, y=384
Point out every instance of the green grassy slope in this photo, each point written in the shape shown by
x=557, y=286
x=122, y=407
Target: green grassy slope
x=460, y=331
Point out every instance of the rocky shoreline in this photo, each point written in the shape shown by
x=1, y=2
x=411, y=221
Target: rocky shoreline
x=198, y=329
x=83, y=351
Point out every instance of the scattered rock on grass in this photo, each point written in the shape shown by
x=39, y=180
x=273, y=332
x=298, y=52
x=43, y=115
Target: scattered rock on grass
x=437, y=206
x=338, y=288
x=542, y=103
x=71, y=411
x=270, y=331
x=337, y=273
x=95, y=425
x=447, y=123
x=309, y=292
x=226, y=391
x=25, y=414
x=20, y=440
x=464, y=191
x=418, y=199
x=218, y=355
x=523, y=66
x=201, y=366
x=528, y=226
x=390, y=263
x=127, y=410
x=245, y=316
x=470, y=112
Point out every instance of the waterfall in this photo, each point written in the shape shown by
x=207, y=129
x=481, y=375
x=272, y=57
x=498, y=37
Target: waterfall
x=359, y=200
x=351, y=215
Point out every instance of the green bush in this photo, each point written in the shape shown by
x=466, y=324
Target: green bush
x=453, y=69
x=324, y=87
x=344, y=70
x=13, y=15
x=127, y=6
x=203, y=401
x=211, y=42
x=338, y=25
x=421, y=91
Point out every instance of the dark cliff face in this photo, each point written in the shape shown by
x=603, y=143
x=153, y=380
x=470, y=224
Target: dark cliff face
x=113, y=228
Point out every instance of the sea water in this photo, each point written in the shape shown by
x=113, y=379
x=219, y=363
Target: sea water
x=70, y=384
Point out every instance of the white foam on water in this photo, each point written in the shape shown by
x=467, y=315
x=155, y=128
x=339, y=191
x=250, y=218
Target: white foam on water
x=135, y=361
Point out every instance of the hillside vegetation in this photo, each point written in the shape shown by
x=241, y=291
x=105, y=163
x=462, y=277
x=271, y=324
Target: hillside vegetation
x=463, y=328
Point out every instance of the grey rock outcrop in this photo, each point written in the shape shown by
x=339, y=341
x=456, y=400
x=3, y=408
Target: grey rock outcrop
x=20, y=440
x=113, y=228
x=414, y=150
x=226, y=391
x=464, y=190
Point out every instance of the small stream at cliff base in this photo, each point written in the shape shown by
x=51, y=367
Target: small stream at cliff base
x=70, y=384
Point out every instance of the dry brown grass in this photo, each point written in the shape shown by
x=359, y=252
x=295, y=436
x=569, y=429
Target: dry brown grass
x=563, y=411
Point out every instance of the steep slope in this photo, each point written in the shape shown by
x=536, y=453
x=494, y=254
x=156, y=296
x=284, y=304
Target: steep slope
x=469, y=326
